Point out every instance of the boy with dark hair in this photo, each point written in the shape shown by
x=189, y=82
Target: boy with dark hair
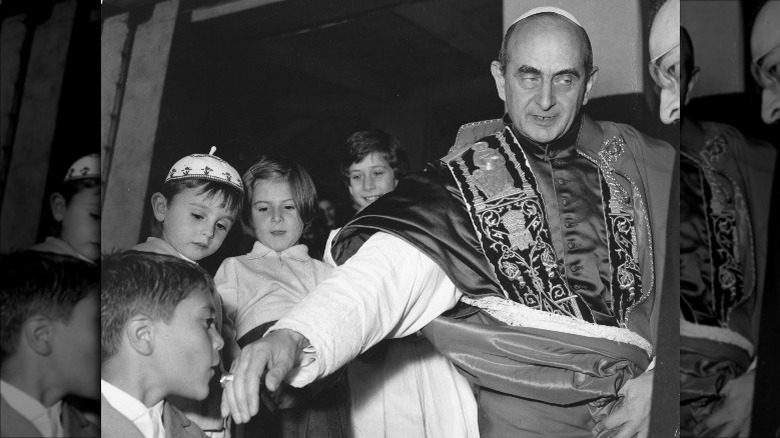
x=158, y=339
x=75, y=207
x=198, y=204
x=48, y=344
x=372, y=163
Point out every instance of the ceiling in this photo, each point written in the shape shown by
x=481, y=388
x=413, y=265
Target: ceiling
x=299, y=76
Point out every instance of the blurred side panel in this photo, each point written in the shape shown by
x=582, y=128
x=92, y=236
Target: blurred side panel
x=28, y=138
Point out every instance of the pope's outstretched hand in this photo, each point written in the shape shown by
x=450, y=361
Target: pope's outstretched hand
x=271, y=357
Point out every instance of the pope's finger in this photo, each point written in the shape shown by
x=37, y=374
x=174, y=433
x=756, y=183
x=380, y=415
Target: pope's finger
x=228, y=398
x=616, y=418
x=716, y=419
x=224, y=409
x=628, y=430
x=252, y=388
x=270, y=404
x=238, y=386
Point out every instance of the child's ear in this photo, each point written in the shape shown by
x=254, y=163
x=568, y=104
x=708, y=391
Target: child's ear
x=58, y=206
x=159, y=206
x=140, y=333
x=37, y=332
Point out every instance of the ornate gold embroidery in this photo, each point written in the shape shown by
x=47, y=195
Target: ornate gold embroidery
x=623, y=245
x=491, y=177
x=729, y=229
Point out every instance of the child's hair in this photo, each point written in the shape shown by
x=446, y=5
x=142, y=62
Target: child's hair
x=232, y=198
x=40, y=283
x=135, y=282
x=273, y=168
x=362, y=143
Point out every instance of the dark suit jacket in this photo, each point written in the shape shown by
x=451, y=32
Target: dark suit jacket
x=13, y=424
x=116, y=425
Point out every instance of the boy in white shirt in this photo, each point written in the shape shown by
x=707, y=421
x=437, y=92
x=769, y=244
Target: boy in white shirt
x=158, y=339
x=49, y=342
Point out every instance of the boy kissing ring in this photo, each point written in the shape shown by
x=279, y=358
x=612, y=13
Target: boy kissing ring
x=227, y=377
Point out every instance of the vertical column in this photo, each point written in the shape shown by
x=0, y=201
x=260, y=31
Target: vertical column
x=11, y=41
x=115, y=34
x=127, y=182
x=25, y=188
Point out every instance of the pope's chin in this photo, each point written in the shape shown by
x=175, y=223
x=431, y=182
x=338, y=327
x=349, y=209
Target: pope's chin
x=543, y=134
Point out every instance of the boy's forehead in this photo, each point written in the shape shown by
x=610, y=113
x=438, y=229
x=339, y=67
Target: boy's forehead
x=196, y=197
x=372, y=159
x=89, y=194
x=200, y=299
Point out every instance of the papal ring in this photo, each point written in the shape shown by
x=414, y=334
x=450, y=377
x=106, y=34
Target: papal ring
x=228, y=377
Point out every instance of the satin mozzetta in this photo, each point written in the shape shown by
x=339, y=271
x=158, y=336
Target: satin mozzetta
x=529, y=375
x=705, y=367
x=427, y=211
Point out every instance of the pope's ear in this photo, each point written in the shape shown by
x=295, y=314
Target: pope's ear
x=498, y=77
x=140, y=334
x=589, y=84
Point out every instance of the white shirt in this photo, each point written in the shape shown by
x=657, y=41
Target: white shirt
x=147, y=420
x=387, y=289
x=47, y=421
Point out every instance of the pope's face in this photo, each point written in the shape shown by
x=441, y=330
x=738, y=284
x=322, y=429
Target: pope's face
x=770, y=95
x=665, y=50
x=545, y=83
x=765, y=48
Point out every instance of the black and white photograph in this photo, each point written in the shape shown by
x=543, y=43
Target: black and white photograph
x=389, y=218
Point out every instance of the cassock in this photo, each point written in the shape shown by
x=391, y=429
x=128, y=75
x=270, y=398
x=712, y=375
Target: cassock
x=724, y=206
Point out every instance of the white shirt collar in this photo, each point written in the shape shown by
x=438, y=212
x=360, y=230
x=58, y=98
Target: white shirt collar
x=134, y=410
x=163, y=242
x=59, y=246
x=46, y=420
x=297, y=252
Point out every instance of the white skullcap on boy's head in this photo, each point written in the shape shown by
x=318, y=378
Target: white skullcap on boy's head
x=85, y=167
x=202, y=166
x=554, y=10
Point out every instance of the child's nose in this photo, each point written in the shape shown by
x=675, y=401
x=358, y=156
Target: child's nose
x=216, y=339
x=368, y=184
x=208, y=230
